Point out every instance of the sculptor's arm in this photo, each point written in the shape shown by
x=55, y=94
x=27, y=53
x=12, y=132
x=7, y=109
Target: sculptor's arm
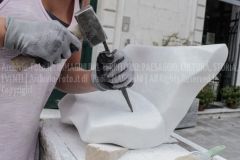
x=17, y=34
x=74, y=79
x=82, y=82
x=2, y=31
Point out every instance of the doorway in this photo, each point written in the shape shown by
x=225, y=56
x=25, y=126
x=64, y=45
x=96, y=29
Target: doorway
x=221, y=26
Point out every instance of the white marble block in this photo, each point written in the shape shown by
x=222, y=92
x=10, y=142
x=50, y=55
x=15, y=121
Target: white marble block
x=104, y=152
x=167, y=81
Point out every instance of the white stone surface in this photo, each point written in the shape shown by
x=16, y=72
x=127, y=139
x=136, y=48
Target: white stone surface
x=53, y=146
x=201, y=11
x=62, y=142
x=199, y=24
x=104, y=152
x=198, y=36
x=168, y=77
x=50, y=114
x=111, y=118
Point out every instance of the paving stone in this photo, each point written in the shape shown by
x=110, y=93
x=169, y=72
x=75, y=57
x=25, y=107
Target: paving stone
x=213, y=132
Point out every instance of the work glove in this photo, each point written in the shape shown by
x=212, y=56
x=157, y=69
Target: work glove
x=49, y=42
x=113, y=71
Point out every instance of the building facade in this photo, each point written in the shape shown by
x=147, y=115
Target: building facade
x=150, y=22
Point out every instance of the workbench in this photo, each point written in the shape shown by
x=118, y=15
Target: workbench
x=62, y=142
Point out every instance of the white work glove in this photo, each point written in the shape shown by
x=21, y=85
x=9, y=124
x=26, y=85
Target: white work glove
x=49, y=41
x=113, y=73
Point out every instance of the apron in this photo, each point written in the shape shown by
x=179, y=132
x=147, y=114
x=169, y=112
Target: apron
x=23, y=94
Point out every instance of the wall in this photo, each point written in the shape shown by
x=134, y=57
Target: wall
x=151, y=21
x=199, y=21
x=236, y=9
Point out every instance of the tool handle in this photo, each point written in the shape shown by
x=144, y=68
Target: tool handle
x=106, y=46
x=106, y=56
x=22, y=62
x=108, y=52
x=216, y=150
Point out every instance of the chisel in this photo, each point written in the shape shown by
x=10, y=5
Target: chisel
x=93, y=32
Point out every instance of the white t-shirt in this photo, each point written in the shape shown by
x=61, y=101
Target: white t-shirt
x=23, y=95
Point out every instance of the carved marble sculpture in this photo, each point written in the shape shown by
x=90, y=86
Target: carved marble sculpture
x=167, y=81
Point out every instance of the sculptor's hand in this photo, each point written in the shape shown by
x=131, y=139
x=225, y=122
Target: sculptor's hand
x=113, y=73
x=49, y=41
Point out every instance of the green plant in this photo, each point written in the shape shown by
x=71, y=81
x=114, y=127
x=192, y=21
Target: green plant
x=206, y=96
x=231, y=96
x=175, y=40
